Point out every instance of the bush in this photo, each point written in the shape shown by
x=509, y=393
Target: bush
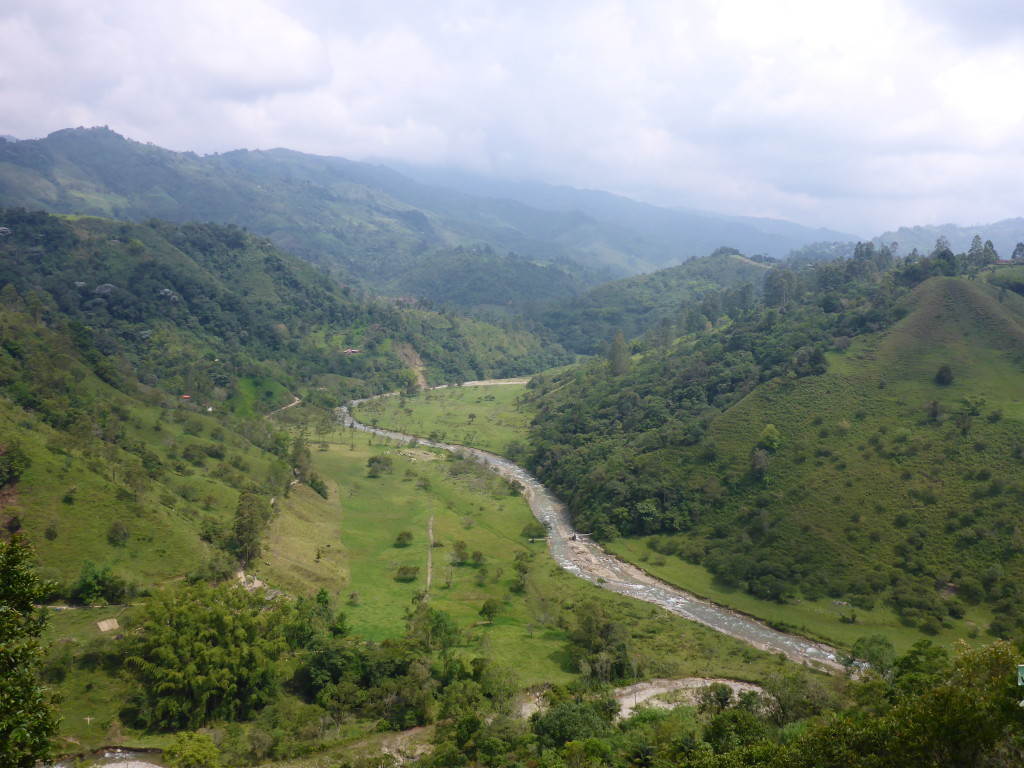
x=944, y=376
x=403, y=539
x=378, y=465
x=407, y=573
x=118, y=534
x=534, y=530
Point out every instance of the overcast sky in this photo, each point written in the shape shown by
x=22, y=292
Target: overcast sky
x=861, y=116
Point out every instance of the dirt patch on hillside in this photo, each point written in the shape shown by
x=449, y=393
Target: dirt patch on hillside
x=686, y=689
x=412, y=360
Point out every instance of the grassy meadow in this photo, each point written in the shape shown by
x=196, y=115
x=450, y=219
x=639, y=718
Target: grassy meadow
x=347, y=545
x=482, y=416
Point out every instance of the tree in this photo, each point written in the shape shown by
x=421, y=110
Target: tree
x=714, y=698
x=403, y=539
x=568, y=721
x=27, y=716
x=977, y=250
x=192, y=750
x=490, y=609
x=876, y=650
x=944, y=376
x=251, y=517
x=202, y=653
x=379, y=464
x=778, y=287
x=618, y=355
x=759, y=461
x=769, y=439
x=13, y=462
x=407, y=573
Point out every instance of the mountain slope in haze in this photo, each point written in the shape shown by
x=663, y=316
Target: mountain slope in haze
x=678, y=233
x=635, y=305
x=366, y=222
x=1005, y=235
x=809, y=447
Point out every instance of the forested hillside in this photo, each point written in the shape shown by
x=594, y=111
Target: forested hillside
x=845, y=432
x=688, y=296
x=190, y=308
x=141, y=352
x=855, y=434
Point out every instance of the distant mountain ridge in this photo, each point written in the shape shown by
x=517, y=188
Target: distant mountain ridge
x=367, y=223
x=701, y=231
x=1004, y=235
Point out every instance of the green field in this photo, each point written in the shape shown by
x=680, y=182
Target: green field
x=347, y=545
x=836, y=622
x=488, y=417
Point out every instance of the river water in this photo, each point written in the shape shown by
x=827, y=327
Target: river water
x=588, y=560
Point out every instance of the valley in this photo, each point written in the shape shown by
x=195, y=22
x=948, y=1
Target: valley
x=583, y=558
x=797, y=476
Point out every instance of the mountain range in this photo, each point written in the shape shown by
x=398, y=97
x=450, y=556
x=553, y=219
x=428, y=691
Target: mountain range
x=368, y=222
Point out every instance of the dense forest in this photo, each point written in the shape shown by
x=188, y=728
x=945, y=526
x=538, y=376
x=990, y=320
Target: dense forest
x=189, y=307
x=653, y=303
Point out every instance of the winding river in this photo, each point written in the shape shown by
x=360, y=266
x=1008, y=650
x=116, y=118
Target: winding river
x=588, y=560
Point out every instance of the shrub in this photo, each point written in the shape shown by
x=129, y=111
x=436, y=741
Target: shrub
x=378, y=465
x=118, y=534
x=407, y=573
x=534, y=530
x=944, y=376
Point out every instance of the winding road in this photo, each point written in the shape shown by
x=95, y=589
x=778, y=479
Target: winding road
x=588, y=560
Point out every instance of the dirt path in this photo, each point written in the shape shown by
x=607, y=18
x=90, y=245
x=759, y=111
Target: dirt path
x=494, y=382
x=296, y=401
x=633, y=696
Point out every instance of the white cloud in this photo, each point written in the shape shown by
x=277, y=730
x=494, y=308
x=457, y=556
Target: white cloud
x=861, y=115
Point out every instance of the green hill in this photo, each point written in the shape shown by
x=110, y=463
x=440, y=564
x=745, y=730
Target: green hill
x=807, y=449
x=137, y=362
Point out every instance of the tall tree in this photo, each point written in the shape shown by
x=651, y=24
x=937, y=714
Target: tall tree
x=618, y=355
x=251, y=517
x=27, y=715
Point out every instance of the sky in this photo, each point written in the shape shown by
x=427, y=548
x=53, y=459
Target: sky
x=861, y=116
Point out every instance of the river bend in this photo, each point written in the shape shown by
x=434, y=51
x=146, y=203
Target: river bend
x=588, y=560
